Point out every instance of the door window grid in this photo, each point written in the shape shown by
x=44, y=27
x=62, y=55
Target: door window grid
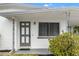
x=25, y=33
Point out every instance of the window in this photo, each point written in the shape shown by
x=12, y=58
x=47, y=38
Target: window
x=48, y=29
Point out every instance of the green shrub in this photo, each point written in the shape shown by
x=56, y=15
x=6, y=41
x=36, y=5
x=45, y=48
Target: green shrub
x=66, y=44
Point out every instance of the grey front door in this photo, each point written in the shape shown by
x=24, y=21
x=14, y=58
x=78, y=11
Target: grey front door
x=24, y=33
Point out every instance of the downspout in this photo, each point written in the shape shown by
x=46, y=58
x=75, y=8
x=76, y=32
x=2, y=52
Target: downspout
x=68, y=20
x=13, y=36
x=13, y=48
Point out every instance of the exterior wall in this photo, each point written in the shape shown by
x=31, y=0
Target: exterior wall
x=5, y=34
x=35, y=42
x=6, y=29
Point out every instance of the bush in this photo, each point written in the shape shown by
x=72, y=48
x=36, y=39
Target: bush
x=66, y=44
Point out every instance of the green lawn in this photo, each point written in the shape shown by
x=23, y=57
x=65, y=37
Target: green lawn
x=14, y=54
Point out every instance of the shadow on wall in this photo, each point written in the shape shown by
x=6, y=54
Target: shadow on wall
x=0, y=36
x=0, y=39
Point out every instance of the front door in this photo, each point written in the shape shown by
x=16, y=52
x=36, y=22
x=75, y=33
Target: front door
x=24, y=34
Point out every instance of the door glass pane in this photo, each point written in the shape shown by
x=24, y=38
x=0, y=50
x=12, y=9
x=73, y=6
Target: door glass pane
x=22, y=23
x=27, y=39
x=23, y=40
x=22, y=30
x=27, y=23
x=27, y=30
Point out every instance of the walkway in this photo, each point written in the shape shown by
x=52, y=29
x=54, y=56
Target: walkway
x=40, y=52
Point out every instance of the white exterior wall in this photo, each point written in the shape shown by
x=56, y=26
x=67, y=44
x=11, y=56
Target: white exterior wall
x=5, y=34
x=35, y=42
x=6, y=29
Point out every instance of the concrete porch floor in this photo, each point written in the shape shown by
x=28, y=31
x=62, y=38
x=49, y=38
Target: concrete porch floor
x=34, y=51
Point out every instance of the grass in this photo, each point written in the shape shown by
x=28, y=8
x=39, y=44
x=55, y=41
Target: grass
x=18, y=54
x=24, y=55
x=12, y=53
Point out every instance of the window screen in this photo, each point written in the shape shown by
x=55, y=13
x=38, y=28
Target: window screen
x=48, y=29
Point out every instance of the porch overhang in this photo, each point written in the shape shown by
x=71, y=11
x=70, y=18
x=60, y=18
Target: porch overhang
x=19, y=9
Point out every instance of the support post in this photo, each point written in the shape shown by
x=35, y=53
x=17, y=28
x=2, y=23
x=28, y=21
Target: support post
x=13, y=35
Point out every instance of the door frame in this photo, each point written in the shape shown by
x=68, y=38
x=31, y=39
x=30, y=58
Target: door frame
x=25, y=32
